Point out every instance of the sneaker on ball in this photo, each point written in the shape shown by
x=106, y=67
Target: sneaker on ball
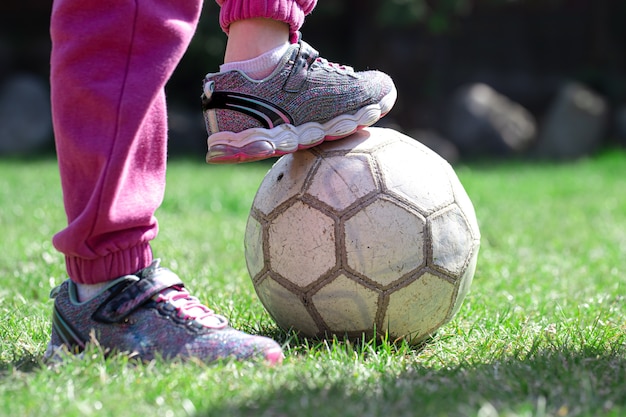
x=148, y=315
x=303, y=102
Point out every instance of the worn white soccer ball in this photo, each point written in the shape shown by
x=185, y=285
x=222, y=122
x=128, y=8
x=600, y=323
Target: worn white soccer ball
x=370, y=235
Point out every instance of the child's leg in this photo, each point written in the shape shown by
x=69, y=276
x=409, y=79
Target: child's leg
x=263, y=105
x=110, y=61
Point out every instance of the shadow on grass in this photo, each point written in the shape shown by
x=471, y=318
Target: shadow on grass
x=25, y=362
x=359, y=345
x=562, y=381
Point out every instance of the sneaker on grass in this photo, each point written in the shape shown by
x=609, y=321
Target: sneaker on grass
x=305, y=101
x=149, y=315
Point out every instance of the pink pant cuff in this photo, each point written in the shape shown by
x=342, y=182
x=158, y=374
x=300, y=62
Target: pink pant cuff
x=291, y=12
x=111, y=266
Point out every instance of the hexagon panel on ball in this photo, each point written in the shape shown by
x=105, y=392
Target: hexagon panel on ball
x=301, y=251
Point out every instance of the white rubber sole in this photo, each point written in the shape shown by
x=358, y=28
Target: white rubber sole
x=284, y=139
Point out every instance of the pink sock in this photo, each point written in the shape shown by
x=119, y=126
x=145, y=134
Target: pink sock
x=259, y=67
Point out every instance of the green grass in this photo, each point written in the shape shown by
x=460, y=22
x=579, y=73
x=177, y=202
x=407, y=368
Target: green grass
x=540, y=334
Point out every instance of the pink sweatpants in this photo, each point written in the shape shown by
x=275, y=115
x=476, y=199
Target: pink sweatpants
x=109, y=65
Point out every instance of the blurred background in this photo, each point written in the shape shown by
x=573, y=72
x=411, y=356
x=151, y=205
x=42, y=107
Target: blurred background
x=542, y=79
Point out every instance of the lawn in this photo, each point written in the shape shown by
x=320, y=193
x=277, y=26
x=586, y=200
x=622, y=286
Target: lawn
x=540, y=334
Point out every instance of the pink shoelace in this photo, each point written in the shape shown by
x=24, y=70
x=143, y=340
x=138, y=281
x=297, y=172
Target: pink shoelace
x=190, y=308
x=337, y=67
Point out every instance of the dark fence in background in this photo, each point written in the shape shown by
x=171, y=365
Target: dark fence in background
x=527, y=65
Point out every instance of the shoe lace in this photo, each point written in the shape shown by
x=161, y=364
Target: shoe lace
x=188, y=307
x=324, y=63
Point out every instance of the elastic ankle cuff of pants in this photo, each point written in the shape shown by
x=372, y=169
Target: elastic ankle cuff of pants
x=109, y=267
x=291, y=12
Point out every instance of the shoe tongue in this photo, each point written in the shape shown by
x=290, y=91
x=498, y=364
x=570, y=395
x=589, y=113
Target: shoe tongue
x=150, y=269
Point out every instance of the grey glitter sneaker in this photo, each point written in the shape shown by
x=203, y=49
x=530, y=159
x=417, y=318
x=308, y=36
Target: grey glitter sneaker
x=305, y=101
x=147, y=315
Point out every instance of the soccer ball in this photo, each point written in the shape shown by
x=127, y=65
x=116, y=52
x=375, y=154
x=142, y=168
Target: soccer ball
x=371, y=235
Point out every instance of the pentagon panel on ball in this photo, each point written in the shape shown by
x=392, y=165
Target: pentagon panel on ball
x=371, y=235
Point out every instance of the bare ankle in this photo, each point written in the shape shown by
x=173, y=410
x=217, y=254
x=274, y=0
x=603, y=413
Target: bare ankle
x=250, y=38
